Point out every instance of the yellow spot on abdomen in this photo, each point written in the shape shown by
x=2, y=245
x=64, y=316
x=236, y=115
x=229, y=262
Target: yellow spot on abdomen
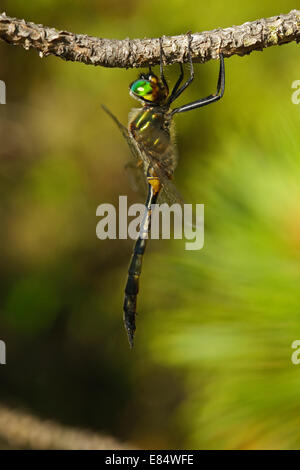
x=155, y=183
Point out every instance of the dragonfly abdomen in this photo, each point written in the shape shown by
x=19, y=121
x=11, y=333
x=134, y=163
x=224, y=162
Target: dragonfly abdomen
x=132, y=288
x=135, y=266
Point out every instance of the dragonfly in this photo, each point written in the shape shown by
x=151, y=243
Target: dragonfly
x=150, y=137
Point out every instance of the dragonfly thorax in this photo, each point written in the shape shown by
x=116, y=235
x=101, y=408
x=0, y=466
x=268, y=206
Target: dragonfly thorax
x=149, y=88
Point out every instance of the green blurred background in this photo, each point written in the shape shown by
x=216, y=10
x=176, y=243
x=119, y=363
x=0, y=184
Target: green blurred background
x=212, y=363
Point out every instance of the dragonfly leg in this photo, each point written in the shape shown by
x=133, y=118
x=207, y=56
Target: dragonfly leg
x=210, y=98
x=161, y=65
x=176, y=84
x=175, y=94
x=163, y=76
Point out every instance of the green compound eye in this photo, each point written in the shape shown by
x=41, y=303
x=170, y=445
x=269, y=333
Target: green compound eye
x=141, y=88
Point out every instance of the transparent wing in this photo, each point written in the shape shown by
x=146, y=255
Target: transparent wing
x=125, y=133
x=136, y=177
x=169, y=193
x=135, y=168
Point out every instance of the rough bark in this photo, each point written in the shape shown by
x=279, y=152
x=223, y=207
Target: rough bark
x=20, y=430
x=207, y=45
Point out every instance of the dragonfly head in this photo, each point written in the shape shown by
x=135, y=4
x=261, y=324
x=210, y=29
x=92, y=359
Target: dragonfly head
x=149, y=88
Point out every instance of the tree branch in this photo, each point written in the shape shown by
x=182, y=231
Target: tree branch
x=22, y=430
x=207, y=45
